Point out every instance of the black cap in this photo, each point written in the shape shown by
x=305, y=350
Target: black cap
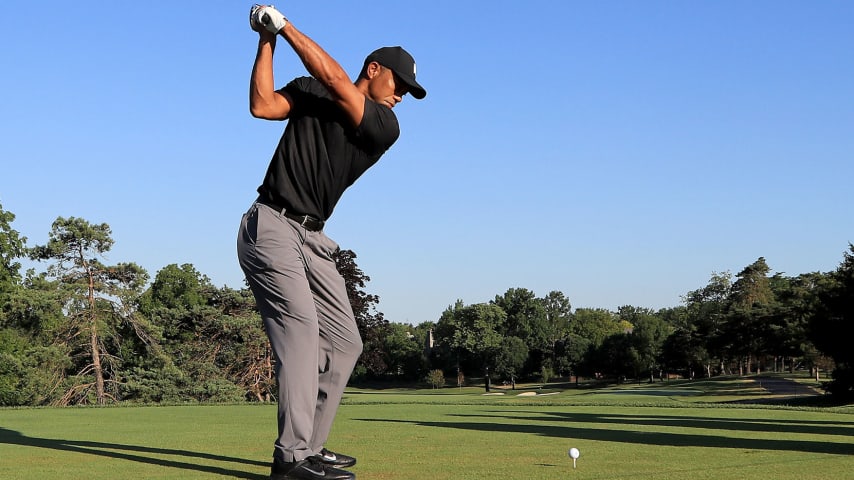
x=402, y=64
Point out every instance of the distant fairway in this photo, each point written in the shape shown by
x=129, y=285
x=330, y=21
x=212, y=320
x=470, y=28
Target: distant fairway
x=677, y=430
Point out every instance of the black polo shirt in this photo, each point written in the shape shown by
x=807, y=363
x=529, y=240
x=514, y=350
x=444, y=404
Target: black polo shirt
x=320, y=154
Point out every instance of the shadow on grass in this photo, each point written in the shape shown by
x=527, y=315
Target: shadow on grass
x=801, y=427
x=135, y=453
x=583, y=426
x=813, y=401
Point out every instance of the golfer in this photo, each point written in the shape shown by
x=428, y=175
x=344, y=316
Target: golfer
x=336, y=130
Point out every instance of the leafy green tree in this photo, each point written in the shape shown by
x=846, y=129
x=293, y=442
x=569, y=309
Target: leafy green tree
x=469, y=334
x=436, y=378
x=36, y=309
x=832, y=325
x=676, y=317
x=36, y=358
x=373, y=327
x=28, y=370
x=405, y=352
x=570, y=354
x=176, y=301
x=12, y=371
x=546, y=373
x=177, y=287
x=749, y=315
x=589, y=329
x=97, y=301
x=649, y=333
x=245, y=357
x=526, y=318
x=250, y=362
x=509, y=358
x=796, y=300
x=633, y=350
x=214, y=346
x=595, y=325
x=558, y=312
x=705, y=318
x=12, y=247
x=616, y=356
x=681, y=352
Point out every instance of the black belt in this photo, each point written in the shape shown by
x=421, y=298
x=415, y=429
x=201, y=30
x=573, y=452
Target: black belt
x=306, y=221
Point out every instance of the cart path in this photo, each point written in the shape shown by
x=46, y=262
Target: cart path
x=784, y=386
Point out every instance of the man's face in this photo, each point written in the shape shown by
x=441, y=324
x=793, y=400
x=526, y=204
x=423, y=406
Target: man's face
x=387, y=88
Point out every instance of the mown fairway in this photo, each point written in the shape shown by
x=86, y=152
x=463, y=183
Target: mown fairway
x=639, y=432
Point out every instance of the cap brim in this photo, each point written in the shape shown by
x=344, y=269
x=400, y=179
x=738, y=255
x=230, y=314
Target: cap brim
x=415, y=89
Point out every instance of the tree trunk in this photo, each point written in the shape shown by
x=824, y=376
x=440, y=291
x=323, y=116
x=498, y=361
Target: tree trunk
x=96, y=352
x=96, y=365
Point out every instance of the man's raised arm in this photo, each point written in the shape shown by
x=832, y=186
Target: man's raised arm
x=318, y=63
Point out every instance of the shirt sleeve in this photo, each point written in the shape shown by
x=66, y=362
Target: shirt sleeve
x=376, y=133
x=302, y=91
x=379, y=128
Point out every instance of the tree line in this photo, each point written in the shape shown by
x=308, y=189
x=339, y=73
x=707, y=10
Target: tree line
x=84, y=332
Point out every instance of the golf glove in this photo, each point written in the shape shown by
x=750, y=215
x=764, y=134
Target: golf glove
x=268, y=17
x=254, y=24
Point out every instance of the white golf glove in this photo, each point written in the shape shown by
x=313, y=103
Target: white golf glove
x=254, y=23
x=268, y=17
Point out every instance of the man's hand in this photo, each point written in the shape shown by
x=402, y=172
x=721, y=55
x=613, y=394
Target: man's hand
x=254, y=22
x=266, y=17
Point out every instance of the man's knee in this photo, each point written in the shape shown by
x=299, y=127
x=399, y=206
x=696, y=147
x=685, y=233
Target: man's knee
x=351, y=347
x=358, y=346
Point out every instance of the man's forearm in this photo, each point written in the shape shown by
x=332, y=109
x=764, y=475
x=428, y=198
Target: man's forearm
x=262, y=96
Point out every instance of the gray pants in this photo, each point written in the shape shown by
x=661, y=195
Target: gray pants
x=308, y=319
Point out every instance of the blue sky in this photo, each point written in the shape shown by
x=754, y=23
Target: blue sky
x=619, y=152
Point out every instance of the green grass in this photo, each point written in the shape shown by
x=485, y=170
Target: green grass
x=676, y=430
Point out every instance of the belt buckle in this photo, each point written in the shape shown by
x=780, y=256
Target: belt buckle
x=305, y=219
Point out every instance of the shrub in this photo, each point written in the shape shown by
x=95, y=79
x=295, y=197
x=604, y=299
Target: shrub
x=436, y=378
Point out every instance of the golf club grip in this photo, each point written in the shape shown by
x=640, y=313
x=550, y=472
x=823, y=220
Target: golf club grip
x=265, y=19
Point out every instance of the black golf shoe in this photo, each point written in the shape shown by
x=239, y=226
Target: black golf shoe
x=309, y=469
x=340, y=460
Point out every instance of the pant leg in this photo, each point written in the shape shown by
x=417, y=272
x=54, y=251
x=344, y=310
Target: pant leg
x=271, y=256
x=340, y=343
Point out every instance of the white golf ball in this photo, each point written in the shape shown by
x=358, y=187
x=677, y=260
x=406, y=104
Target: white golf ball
x=574, y=453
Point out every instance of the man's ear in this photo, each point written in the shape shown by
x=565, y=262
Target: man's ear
x=373, y=70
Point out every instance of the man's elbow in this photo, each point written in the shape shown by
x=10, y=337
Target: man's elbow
x=256, y=112
x=264, y=112
x=276, y=108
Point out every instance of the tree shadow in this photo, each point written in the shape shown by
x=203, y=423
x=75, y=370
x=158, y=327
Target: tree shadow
x=577, y=426
x=135, y=453
x=803, y=427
